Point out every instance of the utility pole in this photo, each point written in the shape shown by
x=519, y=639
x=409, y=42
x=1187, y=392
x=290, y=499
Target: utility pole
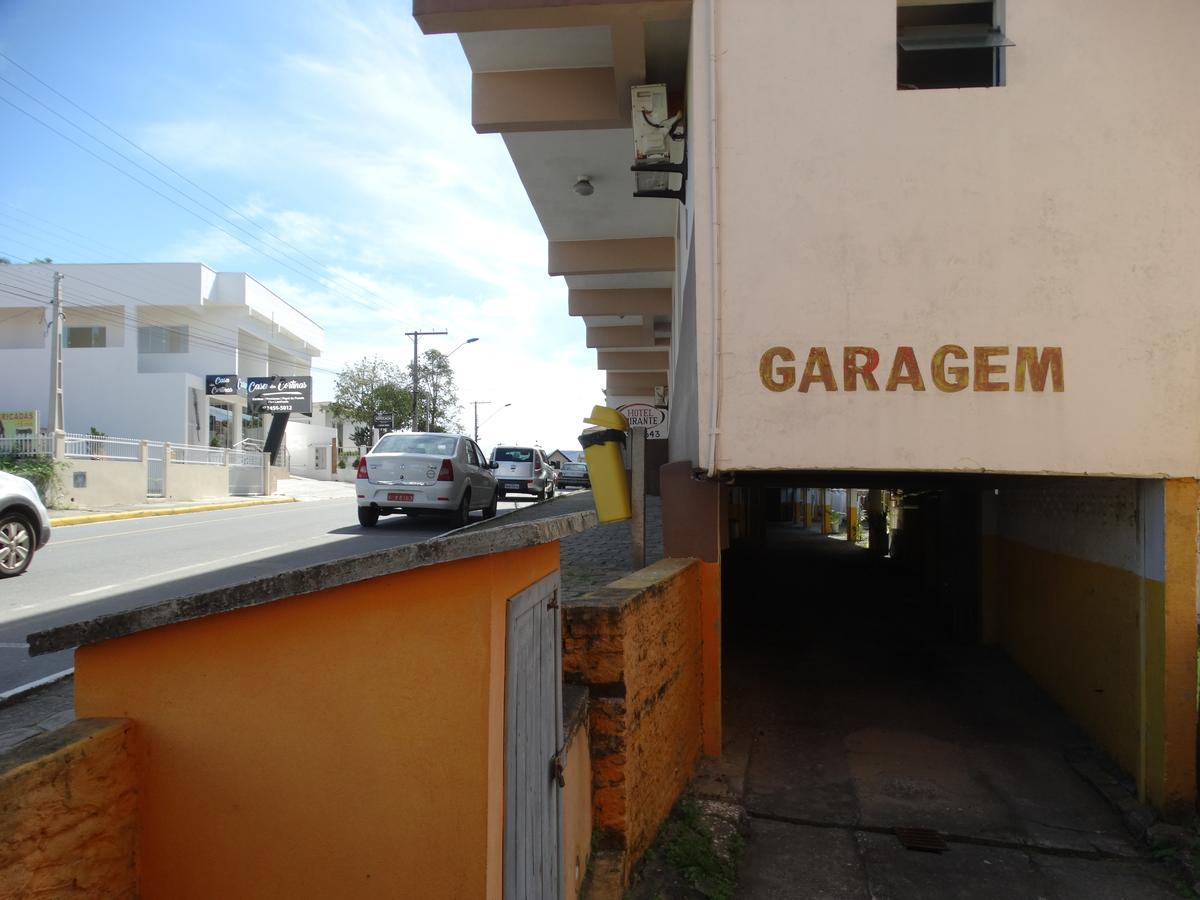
x=476, y=403
x=55, y=411
x=415, y=335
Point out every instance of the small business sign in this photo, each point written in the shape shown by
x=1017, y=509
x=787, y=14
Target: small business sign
x=643, y=415
x=223, y=385
x=280, y=394
x=20, y=424
x=385, y=421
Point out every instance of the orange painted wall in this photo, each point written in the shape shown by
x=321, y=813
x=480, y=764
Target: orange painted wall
x=68, y=814
x=344, y=743
x=638, y=643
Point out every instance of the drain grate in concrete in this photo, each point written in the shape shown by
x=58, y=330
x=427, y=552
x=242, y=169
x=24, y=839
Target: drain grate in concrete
x=924, y=839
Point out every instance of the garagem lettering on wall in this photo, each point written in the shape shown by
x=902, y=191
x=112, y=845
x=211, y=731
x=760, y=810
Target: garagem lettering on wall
x=951, y=368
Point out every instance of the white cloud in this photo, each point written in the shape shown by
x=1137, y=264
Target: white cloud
x=357, y=150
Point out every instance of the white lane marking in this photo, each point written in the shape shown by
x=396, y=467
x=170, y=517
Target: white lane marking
x=6, y=645
x=29, y=686
x=96, y=590
x=190, y=524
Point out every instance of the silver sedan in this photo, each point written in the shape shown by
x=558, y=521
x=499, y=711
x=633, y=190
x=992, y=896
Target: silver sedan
x=417, y=473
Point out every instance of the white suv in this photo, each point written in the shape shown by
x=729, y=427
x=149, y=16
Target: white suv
x=524, y=470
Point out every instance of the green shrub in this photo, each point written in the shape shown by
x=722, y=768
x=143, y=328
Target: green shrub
x=43, y=471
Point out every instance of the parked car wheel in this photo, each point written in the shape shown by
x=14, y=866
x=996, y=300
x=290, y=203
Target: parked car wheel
x=368, y=516
x=463, y=514
x=17, y=540
x=489, y=511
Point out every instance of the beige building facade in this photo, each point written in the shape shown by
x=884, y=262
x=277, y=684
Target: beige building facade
x=941, y=248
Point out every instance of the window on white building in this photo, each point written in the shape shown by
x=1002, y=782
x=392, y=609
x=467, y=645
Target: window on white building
x=950, y=44
x=86, y=336
x=162, y=339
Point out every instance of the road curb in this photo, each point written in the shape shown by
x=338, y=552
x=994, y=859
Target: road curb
x=58, y=521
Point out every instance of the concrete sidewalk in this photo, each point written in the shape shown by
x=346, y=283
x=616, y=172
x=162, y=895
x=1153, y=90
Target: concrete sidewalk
x=287, y=490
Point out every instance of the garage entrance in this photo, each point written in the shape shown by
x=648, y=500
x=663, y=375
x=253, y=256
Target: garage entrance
x=954, y=684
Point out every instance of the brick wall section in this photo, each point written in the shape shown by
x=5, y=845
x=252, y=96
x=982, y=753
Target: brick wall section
x=637, y=645
x=68, y=813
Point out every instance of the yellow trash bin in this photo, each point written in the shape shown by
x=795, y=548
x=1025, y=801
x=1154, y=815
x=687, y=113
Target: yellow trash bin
x=606, y=470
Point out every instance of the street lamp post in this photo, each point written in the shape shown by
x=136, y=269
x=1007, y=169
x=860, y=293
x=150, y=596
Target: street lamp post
x=415, y=335
x=433, y=393
x=477, y=404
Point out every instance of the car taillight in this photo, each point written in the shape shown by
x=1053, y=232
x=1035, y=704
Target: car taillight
x=447, y=471
x=362, y=467
x=537, y=464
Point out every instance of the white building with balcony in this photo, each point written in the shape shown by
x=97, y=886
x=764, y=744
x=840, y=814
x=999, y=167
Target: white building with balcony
x=139, y=340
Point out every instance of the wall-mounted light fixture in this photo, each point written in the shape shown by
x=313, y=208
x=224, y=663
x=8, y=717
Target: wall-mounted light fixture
x=583, y=186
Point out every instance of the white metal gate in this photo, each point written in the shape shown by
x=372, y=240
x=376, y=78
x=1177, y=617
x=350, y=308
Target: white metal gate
x=533, y=868
x=155, y=469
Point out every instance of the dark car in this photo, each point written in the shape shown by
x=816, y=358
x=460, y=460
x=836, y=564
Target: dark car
x=574, y=475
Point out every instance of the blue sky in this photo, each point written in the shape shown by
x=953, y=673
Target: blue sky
x=336, y=126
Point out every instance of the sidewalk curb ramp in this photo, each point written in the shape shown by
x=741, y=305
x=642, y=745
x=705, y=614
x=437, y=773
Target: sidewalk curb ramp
x=56, y=521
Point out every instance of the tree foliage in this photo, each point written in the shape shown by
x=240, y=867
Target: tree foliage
x=369, y=386
x=437, y=395
x=373, y=385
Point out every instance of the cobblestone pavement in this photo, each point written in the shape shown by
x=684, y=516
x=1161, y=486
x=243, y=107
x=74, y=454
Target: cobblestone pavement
x=36, y=712
x=589, y=560
x=603, y=554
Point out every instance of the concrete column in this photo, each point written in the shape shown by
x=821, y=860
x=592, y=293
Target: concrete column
x=637, y=488
x=1167, y=779
x=851, y=516
x=826, y=512
x=166, y=469
x=143, y=451
x=876, y=523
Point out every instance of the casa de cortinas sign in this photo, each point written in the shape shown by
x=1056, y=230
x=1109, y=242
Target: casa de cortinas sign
x=280, y=394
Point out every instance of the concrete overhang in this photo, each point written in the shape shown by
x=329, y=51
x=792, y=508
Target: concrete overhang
x=545, y=100
x=633, y=360
x=635, y=383
x=645, y=302
x=621, y=337
x=613, y=257
x=457, y=16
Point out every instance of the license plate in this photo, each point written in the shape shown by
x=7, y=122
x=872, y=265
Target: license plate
x=401, y=498
x=514, y=485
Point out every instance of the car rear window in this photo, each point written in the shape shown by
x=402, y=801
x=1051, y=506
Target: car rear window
x=432, y=444
x=575, y=468
x=513, y=454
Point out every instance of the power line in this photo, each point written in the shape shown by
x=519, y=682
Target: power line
x=171, y=200
x=150, y=155
x=320, y=276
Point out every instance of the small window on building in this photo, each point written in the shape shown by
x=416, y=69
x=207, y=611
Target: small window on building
x=86, y=336
x=162, y=339
x=949, y=45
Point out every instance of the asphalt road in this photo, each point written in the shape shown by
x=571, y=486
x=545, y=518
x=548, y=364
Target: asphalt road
x=89, y=570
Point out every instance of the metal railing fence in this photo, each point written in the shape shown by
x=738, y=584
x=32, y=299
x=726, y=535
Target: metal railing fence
x=27, y=445
x=90, y=446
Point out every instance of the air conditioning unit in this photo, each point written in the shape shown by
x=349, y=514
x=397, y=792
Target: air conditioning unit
x=651, y=138
x=655, y=131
